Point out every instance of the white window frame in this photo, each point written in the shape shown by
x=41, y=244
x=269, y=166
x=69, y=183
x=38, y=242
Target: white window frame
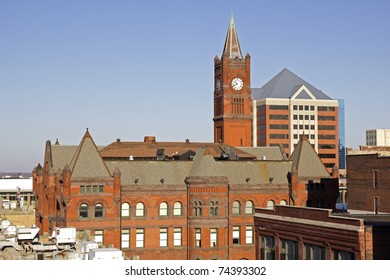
x=125, y=209
x=271, y=204
x=140, y=210
x=99, y=236
x=177, y=237
x=198, y=237
x=140, y=238
x=236, y=235
x=249, y=234
x=249, y=206
x=177, y=209
x=213, y=237
x=125, y=238
x=236, y=208
x=163, y=209
x=163, y=237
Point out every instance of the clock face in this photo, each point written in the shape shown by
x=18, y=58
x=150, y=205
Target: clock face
x=237, y=84
x=218, y=85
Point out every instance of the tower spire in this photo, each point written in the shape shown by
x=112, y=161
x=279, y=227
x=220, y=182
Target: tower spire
x=232, y=45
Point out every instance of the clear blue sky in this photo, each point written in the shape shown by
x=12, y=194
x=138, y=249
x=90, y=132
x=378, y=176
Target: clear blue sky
x=126, y=69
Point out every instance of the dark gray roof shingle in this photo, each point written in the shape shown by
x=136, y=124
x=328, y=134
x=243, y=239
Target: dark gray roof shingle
x=284, y=85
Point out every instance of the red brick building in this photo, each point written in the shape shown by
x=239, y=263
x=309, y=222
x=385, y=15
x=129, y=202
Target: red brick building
x=297, y=233
x=278, y=113
x=232, y=94
x=368, y=180
x=170, y=200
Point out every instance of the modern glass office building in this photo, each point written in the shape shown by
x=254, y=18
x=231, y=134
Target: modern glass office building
x=342, y=148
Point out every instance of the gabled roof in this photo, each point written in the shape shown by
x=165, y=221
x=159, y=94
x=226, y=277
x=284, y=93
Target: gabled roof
x=284, y=85
x=204, y=164
x=62, y=155
x=87, y=162
x=232, y=45
x=306, y=161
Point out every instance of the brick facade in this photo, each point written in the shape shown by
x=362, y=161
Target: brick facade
x=368, y=180
x=309, y=233
x=201, y=208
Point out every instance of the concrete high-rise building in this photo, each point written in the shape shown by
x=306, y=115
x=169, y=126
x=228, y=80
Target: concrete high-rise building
x=286, y=108
x=378, y=137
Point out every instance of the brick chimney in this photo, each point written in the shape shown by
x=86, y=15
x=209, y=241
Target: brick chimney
x=150, y=139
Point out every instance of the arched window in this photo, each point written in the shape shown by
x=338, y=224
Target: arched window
x=163, y=209
x=283, y=202
x=236, y=209
x=270, y=204
x=249, y=207
x=140, y=209
x=125, y=210
x=177, y=211
x=99, y=210
x=83, y=211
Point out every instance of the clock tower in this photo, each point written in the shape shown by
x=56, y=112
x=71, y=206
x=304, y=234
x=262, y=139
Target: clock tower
x=232, y=94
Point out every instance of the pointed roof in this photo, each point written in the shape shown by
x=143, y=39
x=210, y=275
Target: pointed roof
x=285, y=85
x=87, y=162
x=232, y=45
x=306, y=161
x=204, y=164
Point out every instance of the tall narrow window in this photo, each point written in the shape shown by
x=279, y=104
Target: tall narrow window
x=214, y=208
x=139, y=238
x=236, y=208
x=125, y=210
x=236, y=235
x=198, y=237
x=125, y=238
x=249, y=235
x=198, y=208
x=83, y=211
x=213, y=237
x=177, y=211
x=163, y=237
x=140, y=209
x=163, y=209
x=376, y=205
x=375, y=178
x=249, y=207
x=99, y=236
x=99, y=210
x=177, y=237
